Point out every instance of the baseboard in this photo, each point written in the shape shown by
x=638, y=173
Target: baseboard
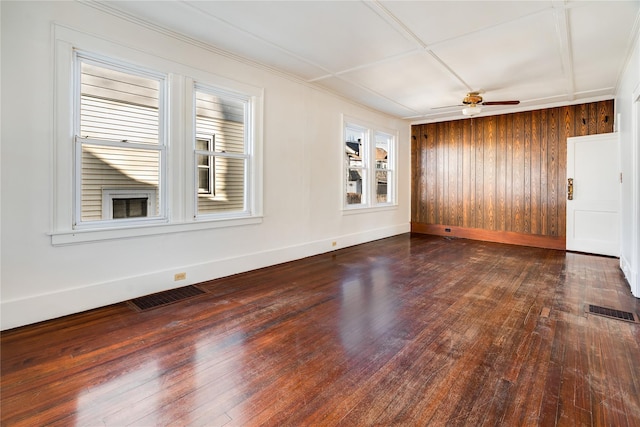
x=509, y=237
x=632, y=276
x=37, y=308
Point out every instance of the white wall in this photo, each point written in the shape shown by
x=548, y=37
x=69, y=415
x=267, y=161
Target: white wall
x=627, y=107
x=302, y=178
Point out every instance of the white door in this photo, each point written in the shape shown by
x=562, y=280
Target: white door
x=593, y=219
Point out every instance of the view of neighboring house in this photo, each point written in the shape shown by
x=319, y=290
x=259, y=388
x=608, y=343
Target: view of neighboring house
x=355, y=168
x=123, y=150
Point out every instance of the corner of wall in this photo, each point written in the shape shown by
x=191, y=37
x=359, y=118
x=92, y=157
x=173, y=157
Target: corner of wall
x=632, y=276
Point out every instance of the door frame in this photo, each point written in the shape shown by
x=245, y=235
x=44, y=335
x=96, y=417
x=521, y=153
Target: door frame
x=631, y=267
x=571, y=144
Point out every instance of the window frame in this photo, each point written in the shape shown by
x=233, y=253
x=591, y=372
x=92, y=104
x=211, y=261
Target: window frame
x=80, y=57
x=247, y=156
x=178, y=163
x=369, y=167
x=211, y=173
x=108, y=194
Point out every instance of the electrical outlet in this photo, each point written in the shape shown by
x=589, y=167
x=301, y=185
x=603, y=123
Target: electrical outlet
x=179, y=276
x=334, y=243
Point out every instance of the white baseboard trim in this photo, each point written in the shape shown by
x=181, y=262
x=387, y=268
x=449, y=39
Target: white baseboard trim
x=37, y=308
x=632, y=276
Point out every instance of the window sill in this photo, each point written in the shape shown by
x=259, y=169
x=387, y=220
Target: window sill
x=95, y=235
x=367, y=209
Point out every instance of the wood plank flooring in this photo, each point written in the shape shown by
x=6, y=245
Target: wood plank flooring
x=412, y=330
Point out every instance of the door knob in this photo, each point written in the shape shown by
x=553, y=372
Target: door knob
x=570, y=188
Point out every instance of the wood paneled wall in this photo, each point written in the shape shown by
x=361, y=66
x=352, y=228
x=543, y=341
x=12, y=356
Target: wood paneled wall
x=499, y=178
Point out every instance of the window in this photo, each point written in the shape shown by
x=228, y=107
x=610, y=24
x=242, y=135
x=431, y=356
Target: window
x=128, y=203
x=119, y=142
x=127, y=143
x=204, y=166
x=369, y=173
x=222, y=153
x=384, y=175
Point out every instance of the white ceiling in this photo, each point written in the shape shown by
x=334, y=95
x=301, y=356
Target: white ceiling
x=407, y=58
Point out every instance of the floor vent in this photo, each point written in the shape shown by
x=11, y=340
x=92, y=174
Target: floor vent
x=612, y=313
x=160, y=299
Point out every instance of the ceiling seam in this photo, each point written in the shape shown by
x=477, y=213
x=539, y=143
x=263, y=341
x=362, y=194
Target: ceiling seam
x=566, y=51
x=186, y=39
x=368, y=65
x=256, y=37
x=400, y=27
x=236, y=57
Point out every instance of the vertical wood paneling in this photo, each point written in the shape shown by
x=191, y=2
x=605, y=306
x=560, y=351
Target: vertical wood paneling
x=502, y=173
x=509, y=160
x=518, y=173
x=460, y=155
x=440, y=171
x=544, y=172
x=452, y=175
x=567, y=131
x=479, y=190
x=490, y=181
x=527, y=172
x=431, y=135
x=535, y=173
x=593, y=118
x=605, y=118
x=420, y=189
x=468, y=175
x=582, y=120
x=444, y=201
x=416, y=167
x=552, y=171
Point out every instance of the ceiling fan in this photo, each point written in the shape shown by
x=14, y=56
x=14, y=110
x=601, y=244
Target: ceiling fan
x=473, y=101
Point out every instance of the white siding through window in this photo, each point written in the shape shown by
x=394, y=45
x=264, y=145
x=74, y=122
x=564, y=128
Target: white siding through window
x=119, y=136
x=222, y=120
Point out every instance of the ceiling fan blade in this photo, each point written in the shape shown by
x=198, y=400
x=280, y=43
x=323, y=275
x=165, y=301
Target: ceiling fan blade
x=447, y=106
x=501, y=103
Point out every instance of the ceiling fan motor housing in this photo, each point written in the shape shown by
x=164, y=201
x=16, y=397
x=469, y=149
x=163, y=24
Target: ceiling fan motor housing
x=472, y=98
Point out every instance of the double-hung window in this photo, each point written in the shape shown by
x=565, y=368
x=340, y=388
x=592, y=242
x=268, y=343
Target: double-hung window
x=119, y=143
x=145, y=145
x=369, y=166
x=222, y=152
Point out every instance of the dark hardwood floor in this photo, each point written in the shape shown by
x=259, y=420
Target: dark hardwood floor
x=411, y=330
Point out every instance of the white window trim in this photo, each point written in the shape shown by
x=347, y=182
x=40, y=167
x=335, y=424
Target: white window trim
x=248, y=155
x=101, y=61
x=178, y=190
x=210, y=139
x=370, y=130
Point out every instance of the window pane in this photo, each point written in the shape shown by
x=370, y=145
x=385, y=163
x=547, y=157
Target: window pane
x=355, y=180
x=383, y=181
x=118, y=106
x=130, y=208
x=382, y=192
x=223, y=118
x=116, y=167
x=204, y=179
x=229, y=187
x=203, y=144
x=354, y=147
x=383, y=144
